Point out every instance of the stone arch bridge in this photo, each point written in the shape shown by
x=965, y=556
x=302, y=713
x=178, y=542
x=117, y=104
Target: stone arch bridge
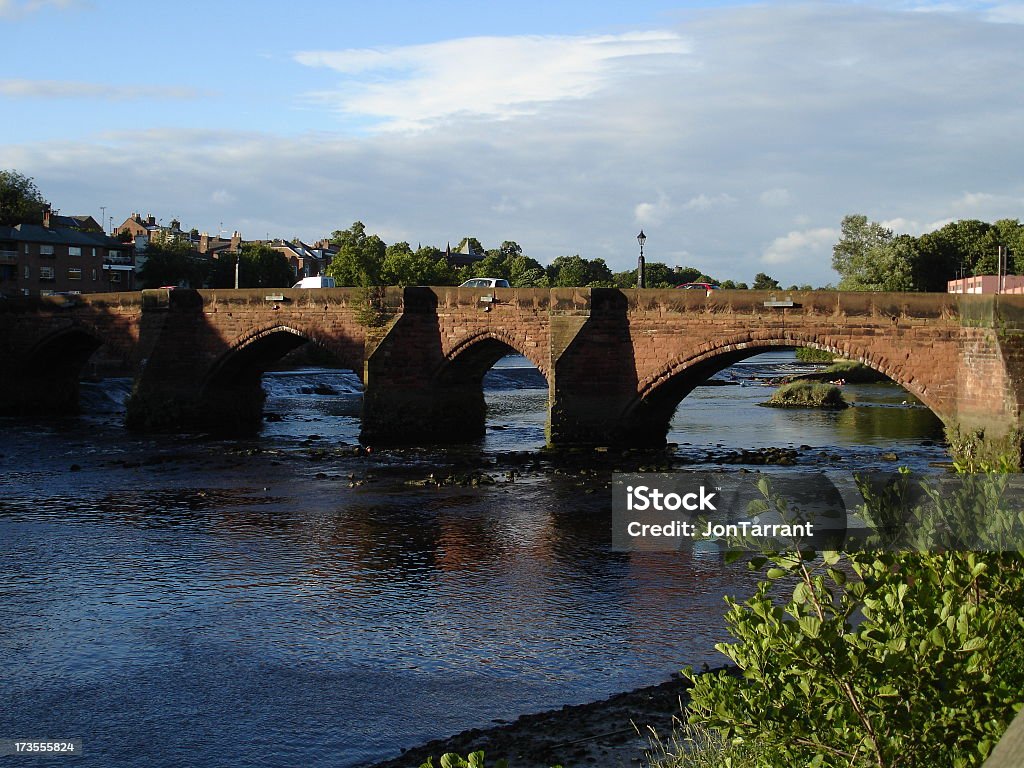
x=617, y=362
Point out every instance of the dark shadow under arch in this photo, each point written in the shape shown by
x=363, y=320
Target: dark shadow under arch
x=55, y=364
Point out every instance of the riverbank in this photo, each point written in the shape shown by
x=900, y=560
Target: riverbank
x=612, y=733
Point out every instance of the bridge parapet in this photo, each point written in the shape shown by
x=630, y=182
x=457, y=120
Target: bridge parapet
x=617, y=361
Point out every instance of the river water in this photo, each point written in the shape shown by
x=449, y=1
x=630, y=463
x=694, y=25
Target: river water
x=291, y=600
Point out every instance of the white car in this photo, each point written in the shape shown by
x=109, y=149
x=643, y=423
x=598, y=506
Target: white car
x=486, y=282
x=315, y=282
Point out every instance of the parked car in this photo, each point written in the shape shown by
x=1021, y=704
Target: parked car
x=485, y=282
x=320, y=281
x=698, y=287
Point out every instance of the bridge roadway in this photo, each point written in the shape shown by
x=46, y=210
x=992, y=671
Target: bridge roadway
x=617, y=362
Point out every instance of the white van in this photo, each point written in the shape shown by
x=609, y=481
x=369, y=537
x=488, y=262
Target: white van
x=320, y=281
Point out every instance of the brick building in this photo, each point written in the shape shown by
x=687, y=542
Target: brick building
x=305, y=260
x=42, y=260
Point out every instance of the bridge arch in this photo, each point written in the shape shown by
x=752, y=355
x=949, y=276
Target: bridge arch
x=460, y=406
x=70, y=346
x=658, y=395
x=232, y=392
x=54, y=365
x=479, y=351
x=249, y=356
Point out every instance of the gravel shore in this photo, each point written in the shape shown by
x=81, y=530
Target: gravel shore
x=612, y=733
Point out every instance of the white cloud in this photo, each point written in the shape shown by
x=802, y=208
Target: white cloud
x=830, y=109
x=67, y=89
x=222, y=197
x=806, y=245
x=704, y=202
x=415, y=86
x=902, y=226
x=17, y=8
x=775, y=198
x=647, y=213
x=1006, y=13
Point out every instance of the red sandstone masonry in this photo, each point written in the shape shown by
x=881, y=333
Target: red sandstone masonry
x=942, y=348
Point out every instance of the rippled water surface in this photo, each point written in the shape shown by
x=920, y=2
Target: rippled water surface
x=283, y=601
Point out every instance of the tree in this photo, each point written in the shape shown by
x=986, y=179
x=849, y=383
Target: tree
x=567, y=271
x=359, y=257
x=524, y=272
x=763, y=282
x=1011, y=234
x=575, y=271
x=263, y=267
x=20, y=200
x=869, y=259
x=425, y=266
x=659, y=275
x=174, y=263
x=491, y=265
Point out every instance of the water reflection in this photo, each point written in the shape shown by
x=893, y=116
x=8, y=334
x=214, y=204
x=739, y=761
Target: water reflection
x=250, y=603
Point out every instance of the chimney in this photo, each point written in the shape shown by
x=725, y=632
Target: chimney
x=46, y=216
x=150, y=219
x=236, y=241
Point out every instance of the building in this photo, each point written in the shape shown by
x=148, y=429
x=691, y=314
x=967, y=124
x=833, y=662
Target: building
x=40, y=260
x=306, y=260
x=464, y=257
x=81, y=223
x=215, y=246
x=1013, y=284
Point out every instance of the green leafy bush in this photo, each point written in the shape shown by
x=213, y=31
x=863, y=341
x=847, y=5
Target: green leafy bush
x=811, y=355
x=873, y=658
x=807, y=394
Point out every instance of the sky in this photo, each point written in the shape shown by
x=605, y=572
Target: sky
x=736, y=135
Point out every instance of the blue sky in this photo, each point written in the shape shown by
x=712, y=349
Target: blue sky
x=736, y=134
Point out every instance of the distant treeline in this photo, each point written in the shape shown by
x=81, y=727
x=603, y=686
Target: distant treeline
x=869, y=257
x=364, y=259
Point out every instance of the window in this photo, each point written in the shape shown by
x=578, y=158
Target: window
x=46, y=273
x=46, y=250
x=74, y=273
x=28, y=272
x=74, y=250
x=115, y=277
x=94, y=275
x=43, y=293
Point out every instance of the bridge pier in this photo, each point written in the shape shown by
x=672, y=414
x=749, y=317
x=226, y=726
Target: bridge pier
x=412, y=394
x=617, y=362
x=175, y=389
x=593, y=392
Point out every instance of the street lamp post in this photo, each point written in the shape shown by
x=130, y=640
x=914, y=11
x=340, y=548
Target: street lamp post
x=640, y=264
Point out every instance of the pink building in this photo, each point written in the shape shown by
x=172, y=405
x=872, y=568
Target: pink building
x=987, y=284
